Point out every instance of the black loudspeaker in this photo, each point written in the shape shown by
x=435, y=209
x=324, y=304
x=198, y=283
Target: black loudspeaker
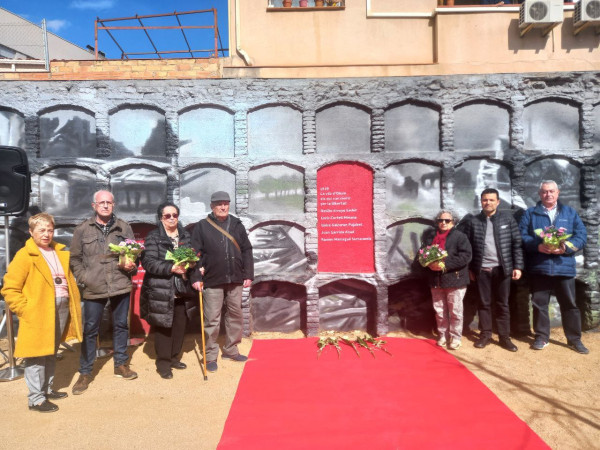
x=15, y=181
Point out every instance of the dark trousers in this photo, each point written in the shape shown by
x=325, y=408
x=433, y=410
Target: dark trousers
x=494, y=288
x=169, y=341
x=564, y=289
x=92, y=314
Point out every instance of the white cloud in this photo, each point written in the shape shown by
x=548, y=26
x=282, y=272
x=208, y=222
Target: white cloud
x=57, y=25
x=92, y=4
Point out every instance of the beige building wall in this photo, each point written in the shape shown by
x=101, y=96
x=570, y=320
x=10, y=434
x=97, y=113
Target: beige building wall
x=398, y=37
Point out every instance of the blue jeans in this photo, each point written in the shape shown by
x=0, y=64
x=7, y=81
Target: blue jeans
x=92, y=313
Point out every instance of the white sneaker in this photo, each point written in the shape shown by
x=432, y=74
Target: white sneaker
x=442, y=341
x=454, y=345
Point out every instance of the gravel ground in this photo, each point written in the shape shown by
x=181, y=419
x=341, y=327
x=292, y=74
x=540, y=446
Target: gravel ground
x=555, y=391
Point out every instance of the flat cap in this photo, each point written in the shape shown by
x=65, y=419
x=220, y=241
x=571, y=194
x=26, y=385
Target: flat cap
x=220, y=196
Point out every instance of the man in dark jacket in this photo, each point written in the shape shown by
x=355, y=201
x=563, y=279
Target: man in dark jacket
x=226, y=256
x=104, y=279
x=553, y=268
x=497, y=258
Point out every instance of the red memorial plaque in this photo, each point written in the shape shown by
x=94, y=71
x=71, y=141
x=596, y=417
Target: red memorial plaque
x=345, y=214
x=138, y=326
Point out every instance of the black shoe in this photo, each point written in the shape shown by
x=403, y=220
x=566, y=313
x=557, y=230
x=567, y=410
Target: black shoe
x=178, y=365
x=578, y=347
x=507, y=344
x=55, y=395
x=44, y=407
x=212, y=366
x=165, y=375
x=482, y=342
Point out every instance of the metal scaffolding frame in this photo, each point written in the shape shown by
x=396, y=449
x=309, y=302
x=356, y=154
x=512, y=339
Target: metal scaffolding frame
x=100, y=24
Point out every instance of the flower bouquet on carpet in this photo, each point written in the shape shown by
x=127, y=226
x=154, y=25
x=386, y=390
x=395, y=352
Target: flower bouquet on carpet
x=128, y=250
x=366, y=341
x=553, y=237
x=432, y=253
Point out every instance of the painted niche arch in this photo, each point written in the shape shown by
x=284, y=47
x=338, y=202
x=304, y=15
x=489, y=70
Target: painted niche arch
x=475, y=175
x=402, y=241
x=412, y=126
x=138, y=191
x=67, y=131
x=412, y=188
x=275, y=130
x=551, y=124
x=564, y=172
x=197, y=185
x=343, y=129
x=278, y=306
x=12, y=128
x=275, y=189
x=482, y=125
x=279, y=248
x=206, y=132
x=138, y=130
x=67, y=191
x=346, y=305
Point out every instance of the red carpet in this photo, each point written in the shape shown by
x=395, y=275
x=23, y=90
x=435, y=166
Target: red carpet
x=419, y=398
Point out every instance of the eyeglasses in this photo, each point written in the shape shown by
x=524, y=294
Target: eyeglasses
x=168, y=216
x=444, y=221
x=104, y=203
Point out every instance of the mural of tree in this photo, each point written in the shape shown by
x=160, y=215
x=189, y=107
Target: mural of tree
x=276, y=189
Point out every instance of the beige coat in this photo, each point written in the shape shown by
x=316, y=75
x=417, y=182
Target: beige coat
x=29, y=293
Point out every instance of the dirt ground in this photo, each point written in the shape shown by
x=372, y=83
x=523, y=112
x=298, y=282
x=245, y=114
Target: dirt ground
x=555, y=391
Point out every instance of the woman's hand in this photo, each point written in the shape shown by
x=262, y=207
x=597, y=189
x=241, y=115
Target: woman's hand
x=179, y=270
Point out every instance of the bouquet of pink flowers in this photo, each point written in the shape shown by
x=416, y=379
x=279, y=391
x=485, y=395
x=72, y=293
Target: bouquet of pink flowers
x=128, y=250
x=432, y=253
x=553, y=236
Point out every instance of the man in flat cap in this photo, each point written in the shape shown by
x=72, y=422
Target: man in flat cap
x=226, y=256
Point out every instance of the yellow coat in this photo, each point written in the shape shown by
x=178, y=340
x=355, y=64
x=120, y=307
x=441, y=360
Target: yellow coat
x=29, y=292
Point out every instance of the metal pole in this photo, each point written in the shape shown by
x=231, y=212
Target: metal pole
x=12, y=372
x=46, y=56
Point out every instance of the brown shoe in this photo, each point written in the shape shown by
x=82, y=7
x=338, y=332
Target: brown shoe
x=82, y=384
x=123, y=371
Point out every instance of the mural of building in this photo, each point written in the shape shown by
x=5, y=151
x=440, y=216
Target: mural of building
x=313, y=162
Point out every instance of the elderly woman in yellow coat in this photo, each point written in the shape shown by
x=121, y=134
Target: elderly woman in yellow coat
x=41, y=290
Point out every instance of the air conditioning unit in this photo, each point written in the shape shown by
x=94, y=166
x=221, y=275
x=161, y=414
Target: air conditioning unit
x=540, y=12
x=586, y=12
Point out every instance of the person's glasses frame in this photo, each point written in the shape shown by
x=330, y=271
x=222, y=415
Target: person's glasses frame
x=445, y=220
x=168, y=216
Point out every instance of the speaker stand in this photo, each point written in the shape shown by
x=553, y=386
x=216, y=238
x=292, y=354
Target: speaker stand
x=12, y=372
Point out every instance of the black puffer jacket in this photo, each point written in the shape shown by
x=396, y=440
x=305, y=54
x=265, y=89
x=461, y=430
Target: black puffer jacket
x=158, y=288
x=222, y=262
x=507, y=237
x=456, y=274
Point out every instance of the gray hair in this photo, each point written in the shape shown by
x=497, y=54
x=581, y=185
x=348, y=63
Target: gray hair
x=102, y=190
x=454, y=216
x=549, y=182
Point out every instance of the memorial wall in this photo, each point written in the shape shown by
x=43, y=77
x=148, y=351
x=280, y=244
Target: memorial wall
x=335, y=180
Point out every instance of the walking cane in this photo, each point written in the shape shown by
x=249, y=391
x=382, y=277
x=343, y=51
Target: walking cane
x=203, y=365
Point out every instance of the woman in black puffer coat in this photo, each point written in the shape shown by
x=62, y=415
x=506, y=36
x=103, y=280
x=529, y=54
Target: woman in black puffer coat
x=448, y=283
x=167, y=299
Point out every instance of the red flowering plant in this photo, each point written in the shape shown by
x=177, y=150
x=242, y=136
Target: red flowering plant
x=432, y=253
x=553, y=237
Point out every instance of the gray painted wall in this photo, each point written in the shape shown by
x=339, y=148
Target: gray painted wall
x=431, y=142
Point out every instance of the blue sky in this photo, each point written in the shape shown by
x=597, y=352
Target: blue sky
x=73, y=20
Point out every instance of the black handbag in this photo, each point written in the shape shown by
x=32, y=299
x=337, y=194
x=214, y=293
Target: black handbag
x=183, y=288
